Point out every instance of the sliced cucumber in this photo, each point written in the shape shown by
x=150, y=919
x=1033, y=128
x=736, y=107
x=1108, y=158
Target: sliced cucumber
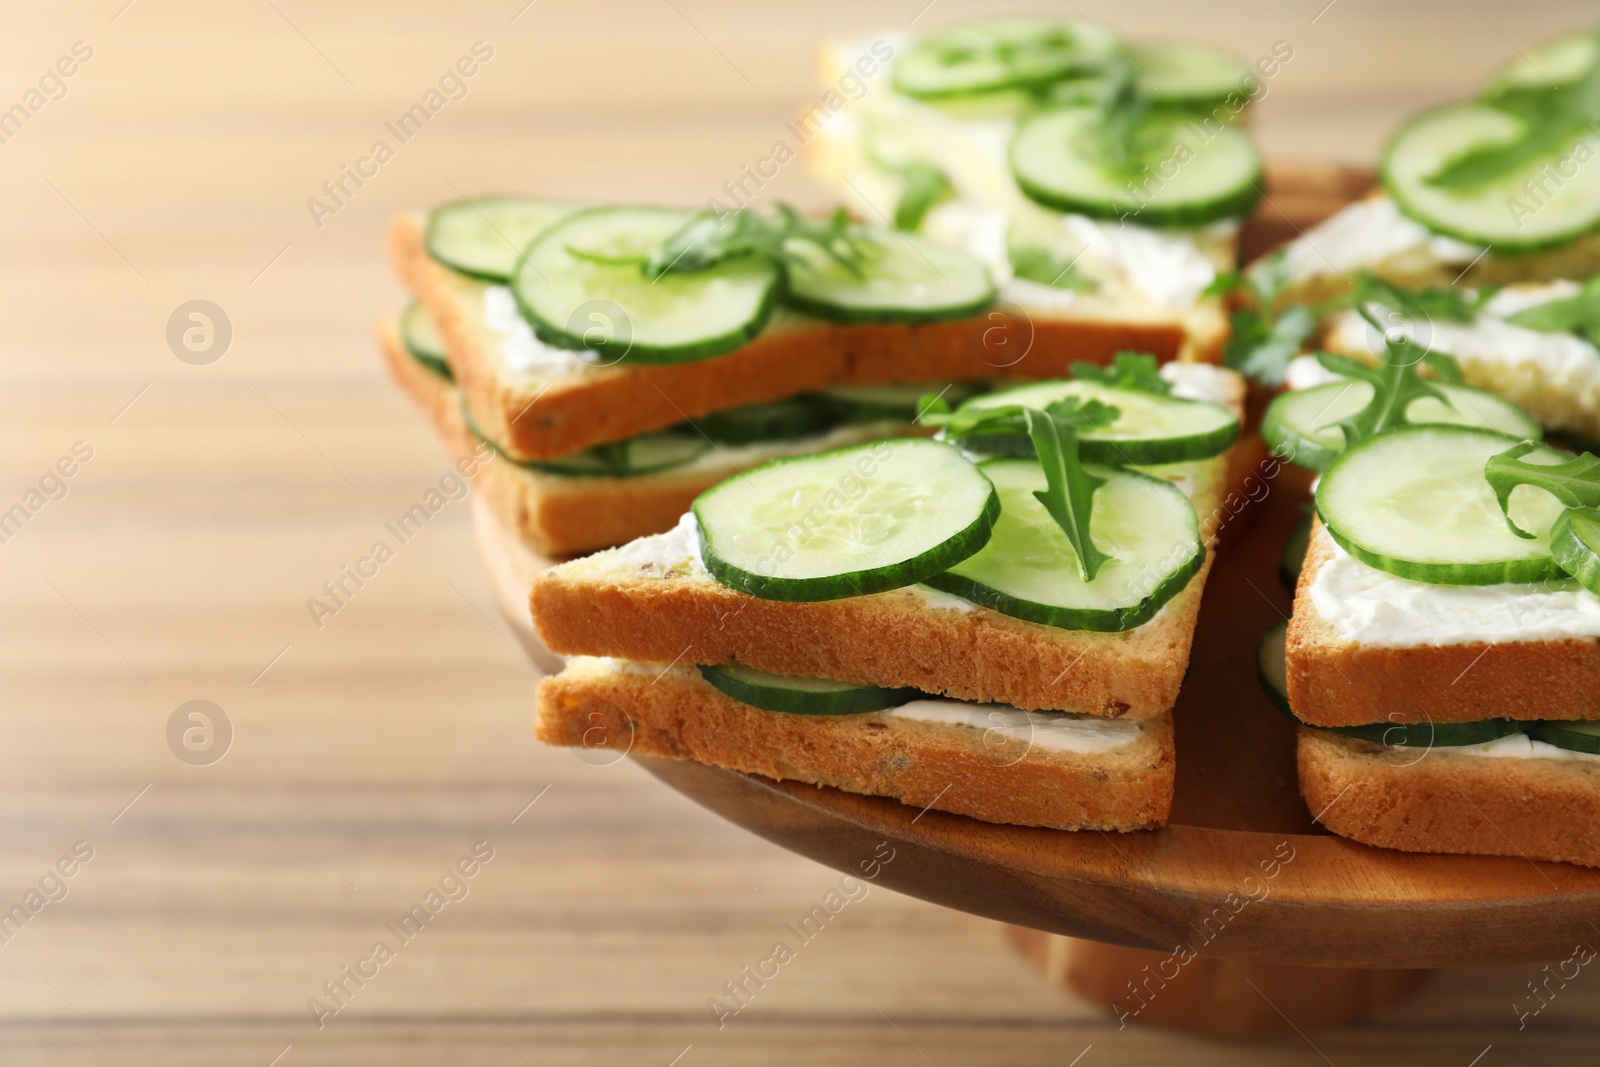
x=1302, y=425
x=1149, y=428
x=776, y=420
x=650, y=453
x=982, y=57
x=422, y=340
x=1414, y=502
x=872, y=402
x=802, y=696
x=853, y=521
x=906, y=278
x=582, y=286
x=1579, y=735
x=1554, y=64
x=1272, y=670
x=1027, y=570
x=1179, y=72
x=1294, y=551
x=1189, y=176
x=486, y=236
x=1500, y=212
x=1575, y=545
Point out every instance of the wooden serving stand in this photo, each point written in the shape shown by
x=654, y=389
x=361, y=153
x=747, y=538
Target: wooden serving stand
x=1241, y=915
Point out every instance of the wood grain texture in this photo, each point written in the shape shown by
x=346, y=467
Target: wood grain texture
x=177, y=567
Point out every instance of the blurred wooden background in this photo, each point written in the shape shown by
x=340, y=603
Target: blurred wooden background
x=369, y=755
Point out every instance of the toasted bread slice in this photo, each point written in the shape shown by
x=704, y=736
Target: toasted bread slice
x=1343, y=676
x=970, y=770
x=1436, y=800
x=562, y=516
x=652, y=601
x=1372, y=234
x=559, y=405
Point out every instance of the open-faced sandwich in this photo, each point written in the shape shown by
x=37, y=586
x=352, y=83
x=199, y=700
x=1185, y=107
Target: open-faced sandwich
x=994, y=623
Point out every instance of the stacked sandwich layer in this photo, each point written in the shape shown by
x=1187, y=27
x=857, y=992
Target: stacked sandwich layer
x=1444, y=653
x=994, y=623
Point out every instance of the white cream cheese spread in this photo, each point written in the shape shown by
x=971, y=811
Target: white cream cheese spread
x=519, y=345
x=1365, y=234
x=1055, y=732
x=1518, y=746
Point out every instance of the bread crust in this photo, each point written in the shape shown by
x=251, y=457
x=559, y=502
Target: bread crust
x=1334, y=682
x=540, y=418
x=674, y=713
x=1439, y=801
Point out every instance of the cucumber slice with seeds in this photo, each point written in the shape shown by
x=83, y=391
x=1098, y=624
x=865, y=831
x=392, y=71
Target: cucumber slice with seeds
x=1500, y=213
x=1302, y=425
x=1414, y=502
x=906, y=278
x=850, y=522
x=1180, y=72
x=422, y=340
x=1184, y=180
x=486, y=236
x=1150, y=428
x=582, y=286
x=1272, y=670
x=802, y=696
x=1580, y=735
x=1027, y=570
x=984, y=57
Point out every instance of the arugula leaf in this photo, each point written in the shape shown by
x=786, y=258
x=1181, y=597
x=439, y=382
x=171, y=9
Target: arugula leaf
x=1011, y=419
x=922, y=187
x=1069, y=490
x=1578, y=314
x=1576, y=482
x=1036, y=264
x=1128, y=370
x=1395, y=383
x=709, y=239
x=1443, y=303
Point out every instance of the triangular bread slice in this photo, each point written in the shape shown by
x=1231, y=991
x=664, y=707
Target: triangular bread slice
x=1003, y=767
x=547, y=407
x=652, y=601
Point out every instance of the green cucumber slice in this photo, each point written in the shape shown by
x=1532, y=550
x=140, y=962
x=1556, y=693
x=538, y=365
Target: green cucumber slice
x=485, y=236
x=1294, y=551
x=1302, y=425
x=1499, y=213
x=1414, y=502
x=650, y=453
x=1575, y=546
x=982, y=57
x=422, y=340
x=1180, y=72
x=802, y=696
x=600, y=300
x=1149, y=428
x=868, y=403
x=853, y=521
x=907, y=278
x=776, y=420
x=1580, y=735
x=1553, y=64
x=1191, y=176
x=1146, y=525
x=1272, y=670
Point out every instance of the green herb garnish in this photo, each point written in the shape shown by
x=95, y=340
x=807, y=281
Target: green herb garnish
x=1576, y=482
x=1035, y=264
x=923, y=186
x=710, y=238
x=1069, y=487
x=1128, y=370
x=1579, y=314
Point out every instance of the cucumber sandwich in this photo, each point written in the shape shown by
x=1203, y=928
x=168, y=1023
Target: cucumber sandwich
x=1443, y=658
x=612, y=493
x=1499, y=189
x=1099, y=177
x=993, y=622
x=569, y=326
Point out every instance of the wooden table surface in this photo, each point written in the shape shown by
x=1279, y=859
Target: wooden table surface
x=369, y=755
